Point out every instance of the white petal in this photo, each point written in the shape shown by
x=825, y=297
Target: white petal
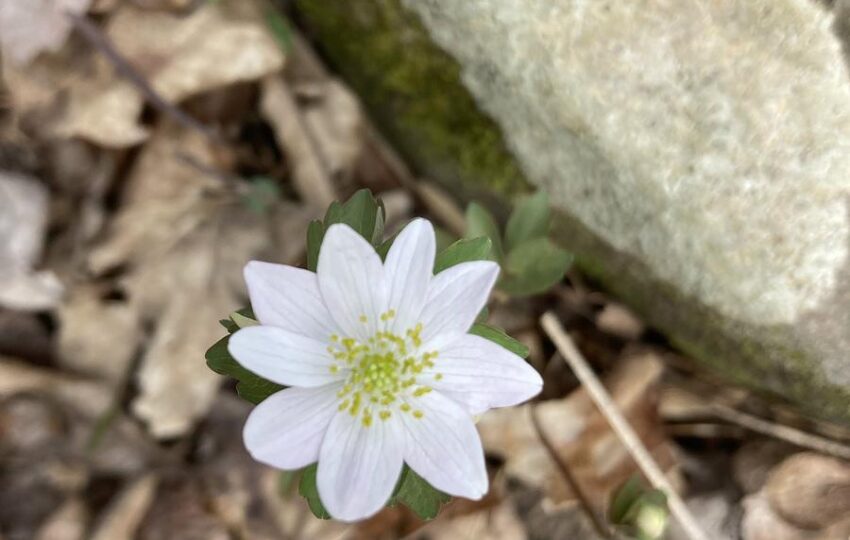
x=444, y=448
x=286, y=430
x=289, y=298
x=351, y=279
x=456, y=296
x=359, y=466
x=408, y=269
x=481, y=375
x=283, y=357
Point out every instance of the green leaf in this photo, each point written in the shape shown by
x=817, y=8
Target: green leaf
x=419, y=495
x=475, y=249
x=308, y=489
x=242, y=321
x=533, y=267
x=479, y=222
x=500, y=338
x=315, y=235
x=380, y=222
x=229, y=325
x=250, y=387
x=360, y=213
x=529, y=220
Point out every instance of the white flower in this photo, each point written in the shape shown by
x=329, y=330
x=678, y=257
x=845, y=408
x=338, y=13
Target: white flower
x=380, y=367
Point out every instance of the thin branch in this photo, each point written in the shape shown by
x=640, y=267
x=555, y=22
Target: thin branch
x=571, y=480
x=778, y=431
x=123, y=67
x=620, y=425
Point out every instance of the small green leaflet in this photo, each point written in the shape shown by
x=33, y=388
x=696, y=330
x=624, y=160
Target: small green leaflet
x=531, y=263
x=529, y=220
x=533, y=267
x=480, y=222
x=475, y=249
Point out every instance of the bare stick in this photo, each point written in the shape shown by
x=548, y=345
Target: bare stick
x=620, y=425
x=571, y=480
x=778, y=431
x=123, y=67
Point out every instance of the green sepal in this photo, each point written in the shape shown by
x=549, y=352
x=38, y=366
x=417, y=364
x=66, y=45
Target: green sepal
x=499, y=337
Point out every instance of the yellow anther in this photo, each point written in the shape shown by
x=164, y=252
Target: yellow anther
x=363, y=318
x=405, y=407
x=384, y=415
x=421, y=391
x=418, y=414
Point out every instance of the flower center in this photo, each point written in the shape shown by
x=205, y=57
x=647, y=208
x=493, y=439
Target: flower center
x=383, y=373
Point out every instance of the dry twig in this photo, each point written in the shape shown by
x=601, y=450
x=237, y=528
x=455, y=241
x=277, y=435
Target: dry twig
x=778, y=431
x=620, y=425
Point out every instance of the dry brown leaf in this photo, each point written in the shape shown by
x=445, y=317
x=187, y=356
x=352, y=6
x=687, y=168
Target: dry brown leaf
x=181, y=511
x=103, y=110
x=184, y=238
x=97, y=336
x=123, y=516
x=754, y=461
x=310, y=174
x=23, y=222
x=582, y=436
x=810, y=490
x=32, y=26
x=499, y=523
x=335, y=122
x=89, y=397
x=761, y=522
x=221, y=43
x=67, y=523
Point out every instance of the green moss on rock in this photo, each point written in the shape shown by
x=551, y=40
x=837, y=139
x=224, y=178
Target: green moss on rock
x=413, y=90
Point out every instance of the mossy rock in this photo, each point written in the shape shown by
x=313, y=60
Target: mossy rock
x=715, y=204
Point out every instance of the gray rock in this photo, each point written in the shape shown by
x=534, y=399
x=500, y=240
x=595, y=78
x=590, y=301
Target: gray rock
x=698, y=153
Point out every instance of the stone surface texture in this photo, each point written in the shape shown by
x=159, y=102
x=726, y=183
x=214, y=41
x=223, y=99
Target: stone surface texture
x=698, y=153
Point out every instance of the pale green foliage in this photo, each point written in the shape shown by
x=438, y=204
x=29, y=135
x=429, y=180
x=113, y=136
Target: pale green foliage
x=531, y=262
